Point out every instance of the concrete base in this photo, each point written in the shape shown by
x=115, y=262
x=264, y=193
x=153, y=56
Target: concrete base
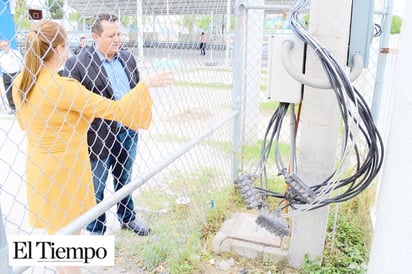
x=240, y=234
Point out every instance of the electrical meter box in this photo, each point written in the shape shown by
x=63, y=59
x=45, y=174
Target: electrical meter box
x=281, y=87
x=361, y=30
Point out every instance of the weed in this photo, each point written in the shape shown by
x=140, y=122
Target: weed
x=348, y=251
x=269, y=106
x=182, y=242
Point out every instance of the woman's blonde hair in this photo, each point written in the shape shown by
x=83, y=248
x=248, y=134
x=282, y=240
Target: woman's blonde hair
x=42, y=40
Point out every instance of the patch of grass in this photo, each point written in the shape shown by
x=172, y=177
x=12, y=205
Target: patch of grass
x=210, y=69
x=251, y=156
x=348, y=251
x=183, y=243
x=204, y=85
x=252, y=153
x=215, y=85
x=174, y=248
x=177, y=246
x=268, y=106
x=168, y=138
x=228, y=201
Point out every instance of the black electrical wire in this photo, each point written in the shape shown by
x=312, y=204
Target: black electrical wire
x=368, y=169
x=354, y=111
x=273, y=129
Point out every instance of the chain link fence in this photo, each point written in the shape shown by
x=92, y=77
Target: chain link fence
x=186, y=161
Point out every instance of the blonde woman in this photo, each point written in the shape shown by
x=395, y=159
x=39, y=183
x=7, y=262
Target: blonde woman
x=55, y=112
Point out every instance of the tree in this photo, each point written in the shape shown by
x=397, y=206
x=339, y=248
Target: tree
x=232, y=23
x=188, y=22
x=128, y=20
x=56, y=8
x=203, y=22
x=75, y=16
x=396, y=24
x=21, y=16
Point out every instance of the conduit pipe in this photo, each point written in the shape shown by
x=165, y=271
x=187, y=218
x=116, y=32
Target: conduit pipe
x=288, y=45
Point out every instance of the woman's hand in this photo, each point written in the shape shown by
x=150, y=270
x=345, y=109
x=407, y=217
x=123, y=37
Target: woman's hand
x=162, y=79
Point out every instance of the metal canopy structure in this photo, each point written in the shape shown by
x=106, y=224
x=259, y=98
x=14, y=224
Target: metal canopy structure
x=151, y=7
x=89, y=8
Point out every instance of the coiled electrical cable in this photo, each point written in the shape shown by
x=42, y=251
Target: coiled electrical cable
x=361, y=141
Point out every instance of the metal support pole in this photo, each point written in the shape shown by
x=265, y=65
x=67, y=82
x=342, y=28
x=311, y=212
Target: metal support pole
x=253, y=72
x=238, y=83
x=211, y=38
x=377, y=94
x=139, y=26
x=228, y=59
x=4, y=248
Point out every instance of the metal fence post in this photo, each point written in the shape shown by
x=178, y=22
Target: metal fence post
x=238, y=83
x=382, y=58
x=4, y=248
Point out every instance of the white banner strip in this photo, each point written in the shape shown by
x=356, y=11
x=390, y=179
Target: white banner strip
x=62, y=250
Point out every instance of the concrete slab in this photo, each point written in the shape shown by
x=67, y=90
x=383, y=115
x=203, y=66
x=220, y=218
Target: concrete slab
x=240, y=234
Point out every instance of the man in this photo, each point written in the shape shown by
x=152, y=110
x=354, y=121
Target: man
x=82, y=45
x=11, y=62
x=111, y=72
x=202, y=44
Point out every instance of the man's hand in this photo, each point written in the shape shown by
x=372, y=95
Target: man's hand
x=162, y=79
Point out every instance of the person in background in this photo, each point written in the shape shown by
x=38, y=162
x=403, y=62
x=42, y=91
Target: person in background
x=11, y=62
x=111, y=72
x=202, y=44
x=82, y=45
x=55, y=112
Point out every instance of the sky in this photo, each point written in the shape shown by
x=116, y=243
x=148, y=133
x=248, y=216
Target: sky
x=398, y=6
